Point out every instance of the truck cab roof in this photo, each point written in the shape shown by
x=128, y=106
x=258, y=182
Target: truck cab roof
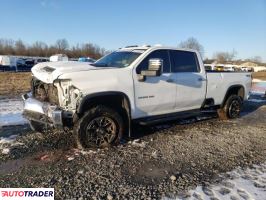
x=151, y=48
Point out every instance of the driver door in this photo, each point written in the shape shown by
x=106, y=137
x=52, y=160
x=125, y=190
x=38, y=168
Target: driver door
x=156, y=95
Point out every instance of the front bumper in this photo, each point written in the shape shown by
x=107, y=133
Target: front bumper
x=42, y=112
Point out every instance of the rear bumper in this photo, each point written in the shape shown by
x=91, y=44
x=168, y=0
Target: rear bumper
x=42, y=112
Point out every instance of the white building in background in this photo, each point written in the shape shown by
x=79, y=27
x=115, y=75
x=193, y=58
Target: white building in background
x=10, y=61
x=230, y=67
x=259, y=68
x=58, y=57
x=254, y=66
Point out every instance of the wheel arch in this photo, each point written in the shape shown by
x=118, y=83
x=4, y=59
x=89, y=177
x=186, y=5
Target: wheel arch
x=114, y=99
x=238, y=90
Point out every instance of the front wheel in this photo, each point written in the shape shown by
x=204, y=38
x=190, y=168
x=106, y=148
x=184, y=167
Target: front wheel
x=99, y=127
x=231, y=108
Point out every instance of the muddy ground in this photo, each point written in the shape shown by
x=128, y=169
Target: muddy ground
x=162, y=161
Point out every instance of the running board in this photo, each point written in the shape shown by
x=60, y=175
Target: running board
x=168, y=117
x=175, y=116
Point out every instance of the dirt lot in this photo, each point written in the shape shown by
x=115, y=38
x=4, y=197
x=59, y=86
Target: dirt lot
x=259, y=75
x=164, y=161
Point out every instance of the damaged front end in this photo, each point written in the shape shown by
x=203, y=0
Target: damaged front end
x=51, y=104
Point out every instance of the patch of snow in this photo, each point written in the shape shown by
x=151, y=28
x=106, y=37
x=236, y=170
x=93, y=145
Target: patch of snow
x=139, y=143
x=239, y=184
x=12, y=119
x=5, y=151
x=11, y=112
x=257, y=80
x=257, y=100
x=257, y=92
x=70, y=158
x=8, y=140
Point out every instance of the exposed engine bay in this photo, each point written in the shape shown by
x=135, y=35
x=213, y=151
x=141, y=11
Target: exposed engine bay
x=60, y=93
x=44, y=92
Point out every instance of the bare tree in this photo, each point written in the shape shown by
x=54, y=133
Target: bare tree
x=223, y=57
x=7, y=46
x=20, y=47
x=256, y=59
x=38, y=48
x=61, y=45
x=192, y=43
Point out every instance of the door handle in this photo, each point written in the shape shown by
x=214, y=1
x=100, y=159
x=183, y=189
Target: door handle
x=170, y=80
x=201, y=79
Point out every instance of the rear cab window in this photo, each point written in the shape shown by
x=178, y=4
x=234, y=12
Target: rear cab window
x=184, y=61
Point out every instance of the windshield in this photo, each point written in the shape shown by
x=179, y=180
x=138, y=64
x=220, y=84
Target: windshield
x=118, y=59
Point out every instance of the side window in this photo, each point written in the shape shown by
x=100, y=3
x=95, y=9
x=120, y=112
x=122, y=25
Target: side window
x=162, y=54
x=184, y=61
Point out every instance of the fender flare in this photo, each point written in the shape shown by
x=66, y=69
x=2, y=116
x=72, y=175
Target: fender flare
x=230, y=88
x=86, y=98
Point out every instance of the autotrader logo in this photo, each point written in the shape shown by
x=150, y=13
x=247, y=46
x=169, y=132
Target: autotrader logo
x=27, y=193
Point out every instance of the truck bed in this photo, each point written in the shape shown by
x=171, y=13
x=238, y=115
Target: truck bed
x=219, y=82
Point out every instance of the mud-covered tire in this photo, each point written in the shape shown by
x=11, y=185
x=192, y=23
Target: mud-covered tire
x=84, y=128
x=231, y=108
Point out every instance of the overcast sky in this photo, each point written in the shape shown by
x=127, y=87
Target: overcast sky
x=219, y=25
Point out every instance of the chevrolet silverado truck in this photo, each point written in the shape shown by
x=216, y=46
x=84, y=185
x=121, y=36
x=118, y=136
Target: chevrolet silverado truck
x=135, y=84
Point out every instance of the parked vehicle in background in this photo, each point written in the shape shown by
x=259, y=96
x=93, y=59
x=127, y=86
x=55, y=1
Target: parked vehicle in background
x=21, y=63
x=219, y=67
x=58, y=57
x=209, y=67
x=230, y=68
x=8, y=63
x=25, y=64
x=40, y=60
x=86, y=59
x=73, y=59
x=144, y=85
x=29, y=62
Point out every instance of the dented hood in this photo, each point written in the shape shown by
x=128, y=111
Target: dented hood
x=50, y=71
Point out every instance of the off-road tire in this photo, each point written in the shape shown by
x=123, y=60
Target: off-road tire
x=227, y=111
x=92, y=114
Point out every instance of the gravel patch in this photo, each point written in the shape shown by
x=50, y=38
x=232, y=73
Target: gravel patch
x=163, y=162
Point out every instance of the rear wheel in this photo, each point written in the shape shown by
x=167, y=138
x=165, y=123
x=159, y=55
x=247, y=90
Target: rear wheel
x=231, y=108
x=99, y=127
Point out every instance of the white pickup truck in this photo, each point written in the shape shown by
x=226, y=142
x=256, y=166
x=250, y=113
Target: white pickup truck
x=133, y=84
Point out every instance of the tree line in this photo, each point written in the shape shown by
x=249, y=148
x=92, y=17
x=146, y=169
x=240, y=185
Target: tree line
x=39, y=48
x=220, y=56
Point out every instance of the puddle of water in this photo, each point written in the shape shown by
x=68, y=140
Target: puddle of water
x=258, y=87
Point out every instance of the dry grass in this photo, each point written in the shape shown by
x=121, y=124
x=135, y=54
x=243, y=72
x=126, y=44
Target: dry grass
x=14, y=83
x=259, y=75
